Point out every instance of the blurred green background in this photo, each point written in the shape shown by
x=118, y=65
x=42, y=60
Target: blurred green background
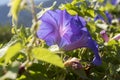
x=5, y=33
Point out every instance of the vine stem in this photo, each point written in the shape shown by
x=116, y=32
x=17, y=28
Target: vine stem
x=33, y=30
x=33, y=10
x=35, y=25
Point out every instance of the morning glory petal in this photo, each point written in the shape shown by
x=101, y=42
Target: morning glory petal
x=108, y=16
x=47, y=33
x=98, y=17
x=79, y=43
x=49, y=18
x=94, y=47
x=68, y=32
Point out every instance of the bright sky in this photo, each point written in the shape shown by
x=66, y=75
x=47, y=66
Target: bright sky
x=4, y=2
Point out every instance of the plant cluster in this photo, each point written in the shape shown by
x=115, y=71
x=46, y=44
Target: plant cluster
x=78, y=40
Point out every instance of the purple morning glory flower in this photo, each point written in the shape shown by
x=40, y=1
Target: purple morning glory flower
x=115, y=2
x=68, y=32
x=108, y=15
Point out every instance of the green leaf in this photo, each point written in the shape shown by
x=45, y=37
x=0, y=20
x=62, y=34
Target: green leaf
x=90, y=12
x=12, y=51
x=92, y=26
x=47, y=56
x=12, y=72
x=72, y=12
x=4, y=49
x=1, y=45
x=66, y=6
x=81, y=73
x=109, y=6
x=101, y=1
x=112, y=42
x=76, y=1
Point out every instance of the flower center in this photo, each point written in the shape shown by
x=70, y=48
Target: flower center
x=62, y=31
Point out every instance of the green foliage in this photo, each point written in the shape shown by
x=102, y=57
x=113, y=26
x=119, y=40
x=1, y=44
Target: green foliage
x=4, y=51
x=25, y=57
x=79, y=7
x=12, y=51
x=12, y=71
x=5, y=34
x=47, y=56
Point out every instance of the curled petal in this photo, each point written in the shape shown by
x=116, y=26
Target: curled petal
x=82, y=42
x=94, y=47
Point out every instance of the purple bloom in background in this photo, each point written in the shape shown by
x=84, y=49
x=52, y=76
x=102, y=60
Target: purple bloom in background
x=106, y=38
x=68, y=32
x=115, y=2
x=108, y=15
x=104, y=35
x=98, y=17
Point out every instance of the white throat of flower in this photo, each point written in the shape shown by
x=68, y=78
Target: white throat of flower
x=55, y=49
